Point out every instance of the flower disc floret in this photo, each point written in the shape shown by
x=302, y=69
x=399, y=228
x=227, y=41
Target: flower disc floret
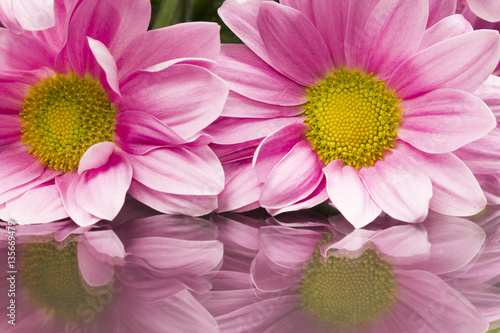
x=352, y=116
x=348, y=292
x=52, y=279
x=62, y=117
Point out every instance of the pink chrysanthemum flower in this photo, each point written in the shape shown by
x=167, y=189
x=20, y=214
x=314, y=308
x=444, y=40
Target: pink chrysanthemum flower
x=140, y=276
x=357, y=102
x=91, y=109
x=31, y=15
x=285, y=279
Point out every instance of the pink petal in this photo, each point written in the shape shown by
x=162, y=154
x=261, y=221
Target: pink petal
x=194, y=171
x=392, y=34
x=275, y=147
x=488, y=10
x=193, y=205
x=432, y=69
x=454, y=242
x=102, y=191
x=18, y=167
x=242, y=187
x=10, y=129
x=107, y=63
x=94, y=271
x=455, y=191
x=96, y=156
x=66, y=184
x=46, y=176
x=482, y=156
x=444, y=120
x=266, y=279
x=488, y=92
x=349, y=194
x=491, y=187
x=115, y=23
x=248, y=75
x=227, y=130
x=13, y=94
x=19, y=15
x=448, y=27
x=185, y=97
x=293, y=44
x=398, y=186
x=238, y=106
x=184, y=40
x=433, y=303
x=295, y=177
x=44, y=204
x=439, y=9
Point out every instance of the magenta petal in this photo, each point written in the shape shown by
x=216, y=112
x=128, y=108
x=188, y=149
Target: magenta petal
x=448, y=27
x=102, y=191
x=295, y=177
x=193, y=171
x=293, y=43
x=266, y=279
x=349, y=194
x=44, y=204
x=248, y=75
x=10, y=129
x=185, y=40
x=444, y=120
x=185, y=97
x=238, y=106
x=455, y=191
x=455, y=242
x=488, y=10
x=275, y=147
x=193, y=205
x=96, y=156
x=94, y=271
x=107, y=63
x=482, y=156
x=432, y=69
x=277, y=242
x=66, y=184
x=12, y=97
x=398, y=186
x=439, y=9
x=391, y=35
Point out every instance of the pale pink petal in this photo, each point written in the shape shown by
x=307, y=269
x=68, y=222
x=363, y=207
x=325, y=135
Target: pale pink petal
x=184, y=40
x=193, y=205
x=45, y=205
x=96, y=156
x=398, y=186
x=433, y=303
x=488, y=92
x=238, y=106
x=94, y=271
x=248, y=75
x=432, y=69
x=185, y=97
x=455, y=191
x=295, y=177
x=392, y=34
x=102, y=191
x=448, y=27
x=46, y=176
x=236, y=152
x=19, y=15
x=488, y=10
x=439, y=9
x=444, y=120
x=455, y=242
x=349, y=194
x=66, y=184
x=294, y=44
x=194, y=171
x=227, y=130
x=266, y=279
x=277, y=242
x=482, y=156
x=491, y=187
x=10, y=129
x=275, y=147
x=354, y=242
x=107, y=63
x=18, y=167
x=242, y=187
x=114, y=23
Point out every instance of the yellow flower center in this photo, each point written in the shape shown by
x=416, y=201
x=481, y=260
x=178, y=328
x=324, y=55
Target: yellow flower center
x=62, y=117
x=353, y=117
x=348, y=293
x=52, y=279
